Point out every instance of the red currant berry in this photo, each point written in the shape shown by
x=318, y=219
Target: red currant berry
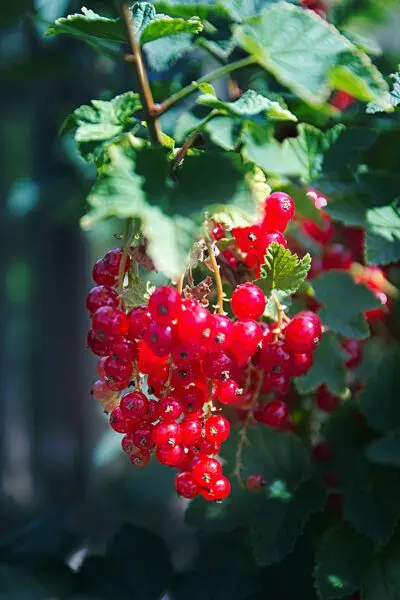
x=184, y=352
x=100, y=368
x=303, y=333
x=354, y=350
x=337, y=256
x=275, y=413
x=170, y=455
x=98, y=345
x=275, y=360
x=208, y=447
x=152, y=414
x=219, y=490
x=228, y=392
x=170, y=409
x=165, y=305
x=217, y=428
x=255, y=482
x=186, y=372
x=140, y=460
x=322, y=452
x=101, y=275
x=159, y=338
x=143, y=437
x=247, y=237
x=186, y=486
x=118, y=421
x=139, y=319
x=219, y=365
x=193, y=325
x=247, y=335
x=149, y=362
x=193, y=398
x=134, y=405
x=118, y=374
x=301, y=363
x=326, y=401
x=206, y=471
x=221, y=329
x=99, y=296
x=110, y=323
x=279, y=210
x=191, y=430
x=100, y=391
x=322, y=233
x=167, y=433
x=248, y=301
x=123, y=350
x=268, y=238
x=112, y=261
x=127, y=444
x=218, y=232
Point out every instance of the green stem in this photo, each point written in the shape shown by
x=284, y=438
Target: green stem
x=180, y=155
x=122, y=265
x=194, y=86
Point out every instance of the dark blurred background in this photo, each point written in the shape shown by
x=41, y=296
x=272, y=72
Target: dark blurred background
x=56, y=452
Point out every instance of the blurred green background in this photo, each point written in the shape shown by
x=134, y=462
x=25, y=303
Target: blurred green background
x=56, y=453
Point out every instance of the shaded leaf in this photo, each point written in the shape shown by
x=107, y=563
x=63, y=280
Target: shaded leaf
x=347, y=317
x=389, y=100
x=328, y=369
x=382, y=581
x=386, y=450
x=89, y=24
x=248, y=106
x=151, y=26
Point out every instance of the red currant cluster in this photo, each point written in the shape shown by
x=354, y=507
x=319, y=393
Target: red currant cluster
x=196, y=362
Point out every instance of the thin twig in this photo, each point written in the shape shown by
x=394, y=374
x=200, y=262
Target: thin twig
x=218, y=280
x=194, y=86
x=145, y=94
x=179, y=283
x=180, y=155
x=243, y=432
x=124, y=258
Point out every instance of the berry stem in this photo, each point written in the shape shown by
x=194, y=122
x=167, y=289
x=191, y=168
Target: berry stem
x=145, y=93
x=243, y=432
x=281, y=314
x=180, y=155
x=218, y=280
x=124, y=258
x=194, y=86
x=179, y=283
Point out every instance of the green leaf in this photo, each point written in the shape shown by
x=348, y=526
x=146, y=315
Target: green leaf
x=351, y=142
x=309, y=56
x=347, y=317
x=328, y=369
x=301, y=156
x=389, y=100
x=372, y=500
x=283, y=271
x=248, y=106
x=137, y=293
x=88, y=23
x=224, y=132
x=382, y=581
x=165, y=52
x=343, y=560
x=384, y=415
x=102, y=121
x=206, y=9
x=151, y=26
x=127, y=569
x=275, y=535
x=386, y=450
x=138, y=186
x=228, y=577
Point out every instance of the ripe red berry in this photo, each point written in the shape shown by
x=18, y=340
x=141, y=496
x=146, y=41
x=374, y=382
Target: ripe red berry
x=98, y=345
x=193, y=325
x=247, y=238
x=303, y=333
x=248, y=301
x=322, y=233
x=218, y=491
x=219, y=365
x=165, y=305
x=134, y=405
x=99, y=296
x=118, y=374
x=207, y=447
x=279, y=210
x=139, y=319
x=228, y=392
x=186, y=485
x=101, y=274
x=127, y=444
x=255, y=482
x=112, y=261
x=167, y=433
x=247, y=334
x=218, y=232
x=275, y=413
x=275, y=360
x=268, y=238
x=186, y=372
x=170, y=455
x=193, y=398
x=322, y=451
x=221, y=329
x=101, y=391
x=337, y=256
x=123, y=350
x=110, y=323
x=184, y=352
x=118, y=422
x=170, y=409
x=143, y=438
x=301, y=363
x=191, y=430
x=326, y=401
x=100, y=368
x=217, y=428
x=206, y=471
x=159, y=338
x=354, y=350
x=141, y=459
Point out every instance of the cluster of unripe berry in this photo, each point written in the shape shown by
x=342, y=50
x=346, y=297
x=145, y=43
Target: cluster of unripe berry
x=195, y=363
